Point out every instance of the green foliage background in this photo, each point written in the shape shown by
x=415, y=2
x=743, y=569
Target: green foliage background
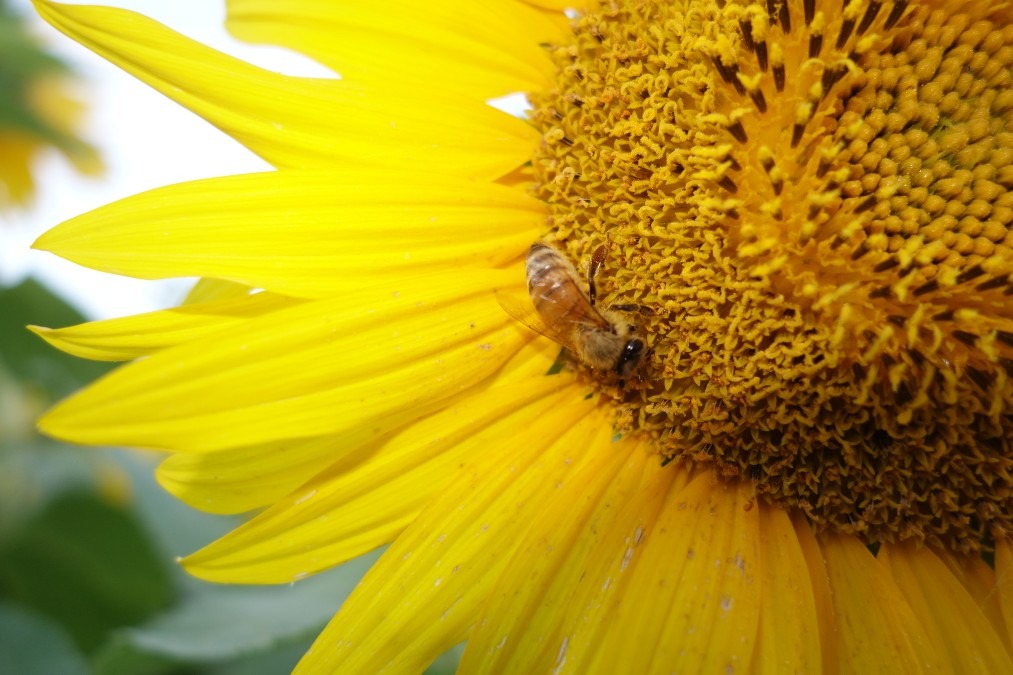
x=22, y=63
x=88, y=539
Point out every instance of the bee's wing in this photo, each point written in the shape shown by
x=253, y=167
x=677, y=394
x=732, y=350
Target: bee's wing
x=524, y=311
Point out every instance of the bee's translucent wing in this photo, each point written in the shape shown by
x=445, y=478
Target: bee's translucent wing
x=524, y=311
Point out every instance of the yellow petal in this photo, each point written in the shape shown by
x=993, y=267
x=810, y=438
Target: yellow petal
x=876, y=627
x=210, y=290
x=422, y=595
x=684, y=597
x=144, y=334
x=819, y=582
x=615, y=552
x=519, y=630
x=951, y=618
x=556, y=12
x=789, y=635
x=356, y=506
x=559, y=5
x=310, y=234
x=480, y=49
x=700, y=564
x=981, y=582
x=235, y=480
x=304, y=122
x=379, y=357
x=1004, y=576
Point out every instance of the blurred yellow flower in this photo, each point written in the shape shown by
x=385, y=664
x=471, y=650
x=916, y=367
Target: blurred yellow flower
x=36, y=112
x=805, y=211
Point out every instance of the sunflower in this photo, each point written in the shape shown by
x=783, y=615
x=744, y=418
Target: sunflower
x=803, y=209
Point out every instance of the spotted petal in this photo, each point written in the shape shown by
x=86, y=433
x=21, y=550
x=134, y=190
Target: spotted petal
x=457, y=547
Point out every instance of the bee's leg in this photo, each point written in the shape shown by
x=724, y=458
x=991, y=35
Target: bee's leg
x=608, y=373
x=593, y=266
x=646, y=359
x=642, y=309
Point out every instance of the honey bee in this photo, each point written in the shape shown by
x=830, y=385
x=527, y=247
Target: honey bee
x=599, y=338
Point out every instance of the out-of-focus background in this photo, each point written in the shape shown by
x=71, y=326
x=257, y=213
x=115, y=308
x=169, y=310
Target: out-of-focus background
x=145, y=141
x=88, y=582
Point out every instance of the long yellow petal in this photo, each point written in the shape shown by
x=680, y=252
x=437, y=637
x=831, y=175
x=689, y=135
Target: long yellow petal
x=144, y=334
x=789, y=635
x=349, y=510
x=304, y=233
x=611, y=564
x=304, y=122
x=951, y=618
x=877, y=629
x=480, y=49
x=819, y=582
x=381, y=356
x=714, y=614
x=982, y=583
x=519, y=630
x=235, y=480
x=456, y=547
x=685, y=598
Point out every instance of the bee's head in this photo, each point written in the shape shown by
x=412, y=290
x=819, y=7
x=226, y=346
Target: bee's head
x=632, y=352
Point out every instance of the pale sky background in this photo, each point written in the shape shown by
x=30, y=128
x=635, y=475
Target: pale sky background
x=146, y=141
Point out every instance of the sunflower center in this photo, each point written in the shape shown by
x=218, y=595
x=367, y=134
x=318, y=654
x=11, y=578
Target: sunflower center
x=809, y=204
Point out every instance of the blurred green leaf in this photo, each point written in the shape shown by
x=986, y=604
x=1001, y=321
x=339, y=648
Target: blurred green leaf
x=223, y=623
x=31, y=645
x=120, y=656
x=247, y=634
x=96, y=569
x=23, y=63
x=282, y=659
x=26, y=356
x=32, y=376
x=176, y=528
x=34, y=471
x=21, y=58
x=86, y=564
